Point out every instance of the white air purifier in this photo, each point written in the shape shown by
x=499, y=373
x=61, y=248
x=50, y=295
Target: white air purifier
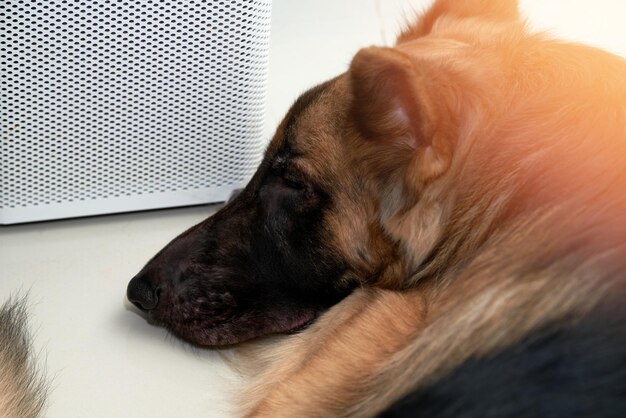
x=115, y=106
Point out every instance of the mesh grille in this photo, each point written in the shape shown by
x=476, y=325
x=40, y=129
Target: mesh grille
x=102, y=99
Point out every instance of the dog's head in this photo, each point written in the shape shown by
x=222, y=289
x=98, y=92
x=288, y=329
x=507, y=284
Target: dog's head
x=300, y=236
x=348, y=194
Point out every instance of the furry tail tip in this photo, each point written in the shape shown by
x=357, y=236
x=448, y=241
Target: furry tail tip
x=23, y=387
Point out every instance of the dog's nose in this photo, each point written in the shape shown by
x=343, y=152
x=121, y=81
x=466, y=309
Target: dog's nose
x=142, y=293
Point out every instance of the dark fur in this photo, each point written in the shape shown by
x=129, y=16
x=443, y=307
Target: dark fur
x=574, y=371
x=259, y=266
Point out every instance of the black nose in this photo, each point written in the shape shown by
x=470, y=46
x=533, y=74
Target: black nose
x=142, y=293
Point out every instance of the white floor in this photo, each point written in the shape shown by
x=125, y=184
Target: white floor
x=104, y=359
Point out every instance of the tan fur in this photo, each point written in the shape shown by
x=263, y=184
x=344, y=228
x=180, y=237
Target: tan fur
x=479, y=195
x=487, y=10
x=372, y=359
x=22, y=388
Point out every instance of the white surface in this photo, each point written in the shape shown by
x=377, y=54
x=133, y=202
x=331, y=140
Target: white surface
x=107, y=361
x=146, y=104
x=78, y=208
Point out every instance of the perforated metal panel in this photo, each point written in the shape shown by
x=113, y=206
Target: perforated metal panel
x=122, y=105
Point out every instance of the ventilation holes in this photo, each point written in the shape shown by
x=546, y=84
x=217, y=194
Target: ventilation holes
x=102, y=99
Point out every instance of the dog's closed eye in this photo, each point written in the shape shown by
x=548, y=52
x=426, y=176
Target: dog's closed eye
x=293, y=180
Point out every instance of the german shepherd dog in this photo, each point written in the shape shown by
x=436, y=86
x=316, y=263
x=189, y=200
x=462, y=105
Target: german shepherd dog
x=441, y=229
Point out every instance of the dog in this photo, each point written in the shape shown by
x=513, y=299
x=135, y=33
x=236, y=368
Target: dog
x=23, y=385
x=440, y=231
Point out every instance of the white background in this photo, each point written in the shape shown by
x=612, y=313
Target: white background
x=104, y=359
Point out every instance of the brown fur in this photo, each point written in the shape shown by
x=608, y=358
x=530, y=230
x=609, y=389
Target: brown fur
x=482, y=172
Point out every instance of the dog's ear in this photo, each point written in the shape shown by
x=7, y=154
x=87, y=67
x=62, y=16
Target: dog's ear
x=495, y=10
x=393, y=105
